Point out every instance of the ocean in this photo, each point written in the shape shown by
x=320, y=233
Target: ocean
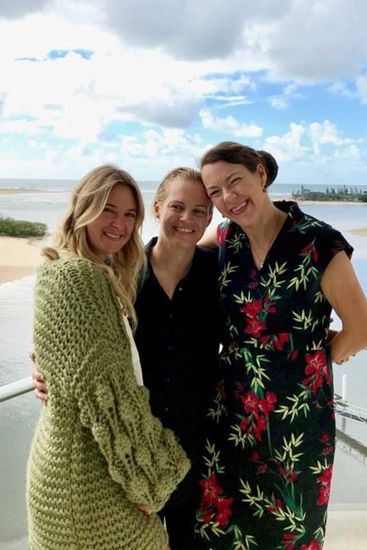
x=45, y=201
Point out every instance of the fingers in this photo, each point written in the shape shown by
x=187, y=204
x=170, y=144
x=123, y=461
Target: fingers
x=41, y=395
x=144, y=509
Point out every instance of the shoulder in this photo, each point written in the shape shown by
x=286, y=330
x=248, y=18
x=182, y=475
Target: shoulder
x=70, y=269
x=72, y=276
x=326, y=237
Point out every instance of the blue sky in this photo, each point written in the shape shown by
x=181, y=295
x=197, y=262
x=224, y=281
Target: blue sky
x=151, y=84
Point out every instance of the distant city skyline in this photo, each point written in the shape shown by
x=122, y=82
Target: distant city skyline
x=151, y=84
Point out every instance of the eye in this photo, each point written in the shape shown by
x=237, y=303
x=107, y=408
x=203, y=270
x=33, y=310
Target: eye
x=176, y=207
x=132, y=215
x=109, y=209
x=214, y=193
x=234, y=182
x=200, y=212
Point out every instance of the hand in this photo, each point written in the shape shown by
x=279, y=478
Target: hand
x=40, y=386
x=144, y=509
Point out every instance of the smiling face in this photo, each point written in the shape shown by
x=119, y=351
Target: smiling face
x=235, y=191
x=184, y=213
x=112, y=229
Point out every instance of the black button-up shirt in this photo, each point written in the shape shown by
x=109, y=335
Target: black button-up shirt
x=178, y=343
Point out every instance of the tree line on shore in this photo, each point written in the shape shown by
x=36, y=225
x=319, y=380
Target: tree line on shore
x=341, y=193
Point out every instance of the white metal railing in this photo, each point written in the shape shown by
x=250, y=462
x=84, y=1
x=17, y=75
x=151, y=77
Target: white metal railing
x=16, y=388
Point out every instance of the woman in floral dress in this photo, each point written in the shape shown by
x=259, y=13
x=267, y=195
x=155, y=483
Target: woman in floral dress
x=268, y=461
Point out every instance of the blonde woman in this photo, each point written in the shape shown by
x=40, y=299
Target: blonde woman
x=101, y=465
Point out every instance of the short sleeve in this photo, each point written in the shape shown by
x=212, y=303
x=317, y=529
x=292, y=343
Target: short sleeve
x=329, y=243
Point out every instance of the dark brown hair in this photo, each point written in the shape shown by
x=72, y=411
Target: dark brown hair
x=236, y=153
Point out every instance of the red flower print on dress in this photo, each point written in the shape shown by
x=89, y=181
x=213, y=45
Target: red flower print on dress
x=222, y=233
x=323, y=498
x=277, y=505
x=288, y=474
x=268, y=404
x=325, y=477
x=325, y=481
x=258, y=411
x=313, y=545
x=317, y=369
x=289, y=541
x=325, y=438
x=210, y=490
x=280, y=339
x=251, y=309
x=224, y=512
x=212, y=504
x=254, y=327
x=251, y=402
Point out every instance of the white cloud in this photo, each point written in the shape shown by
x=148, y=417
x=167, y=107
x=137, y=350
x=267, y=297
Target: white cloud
x=229, y=125
x=288, y=147
x=323, y=133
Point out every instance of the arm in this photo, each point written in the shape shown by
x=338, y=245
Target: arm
x=344, y=293
x=210, y=238
x=86, y=353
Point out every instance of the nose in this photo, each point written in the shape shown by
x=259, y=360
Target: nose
x=118, y=222
x=185, y=215
x=228, y=194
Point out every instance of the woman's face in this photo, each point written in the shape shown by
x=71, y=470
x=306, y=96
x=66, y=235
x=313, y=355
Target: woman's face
x=235, y=191
x=184, y=214
x=113, y=228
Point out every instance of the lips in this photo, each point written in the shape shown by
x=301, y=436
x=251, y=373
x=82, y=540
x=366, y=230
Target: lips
x=184, y=230
x=240, y=208
x=113, y=236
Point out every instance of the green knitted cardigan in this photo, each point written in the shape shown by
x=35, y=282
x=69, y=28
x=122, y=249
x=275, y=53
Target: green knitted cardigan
x=97, y=451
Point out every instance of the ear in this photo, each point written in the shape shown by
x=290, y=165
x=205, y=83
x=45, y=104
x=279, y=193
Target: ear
x=260, y=170
x=156, y=209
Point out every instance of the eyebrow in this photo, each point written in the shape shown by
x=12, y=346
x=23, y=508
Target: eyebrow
x=181, y=202
x=114, y=206
x=226, y=179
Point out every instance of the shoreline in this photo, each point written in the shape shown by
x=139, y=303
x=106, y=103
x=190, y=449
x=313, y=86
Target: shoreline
x=22, y=191
x=19, y=257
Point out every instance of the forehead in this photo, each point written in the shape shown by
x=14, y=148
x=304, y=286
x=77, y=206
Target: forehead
x=187, y=190
x=218, y=172
x=121, y=195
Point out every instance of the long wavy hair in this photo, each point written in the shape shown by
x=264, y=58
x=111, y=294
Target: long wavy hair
x=87, y=202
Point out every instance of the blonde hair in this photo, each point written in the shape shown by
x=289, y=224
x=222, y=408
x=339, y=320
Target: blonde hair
x=183, y=173
x=87, y=202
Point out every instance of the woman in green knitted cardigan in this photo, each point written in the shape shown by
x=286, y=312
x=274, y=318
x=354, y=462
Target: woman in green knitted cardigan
x=101, y=465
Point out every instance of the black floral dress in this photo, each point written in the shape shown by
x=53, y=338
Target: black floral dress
x=267, y=464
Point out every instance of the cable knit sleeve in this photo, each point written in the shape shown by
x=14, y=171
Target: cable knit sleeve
x=79, y=328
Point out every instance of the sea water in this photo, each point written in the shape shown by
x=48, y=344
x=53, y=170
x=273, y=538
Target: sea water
x=18, y=416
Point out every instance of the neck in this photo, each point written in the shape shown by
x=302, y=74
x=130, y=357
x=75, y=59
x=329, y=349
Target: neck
x=263, y=231
x=170, y=264
x=262, y=237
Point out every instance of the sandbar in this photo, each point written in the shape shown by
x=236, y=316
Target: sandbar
x=19, y=257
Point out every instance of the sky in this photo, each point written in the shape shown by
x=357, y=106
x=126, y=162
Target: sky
x=150, y=85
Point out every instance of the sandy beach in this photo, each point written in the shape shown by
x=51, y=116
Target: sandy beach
x=18, y=258
x=5, y=191
x=362, y=232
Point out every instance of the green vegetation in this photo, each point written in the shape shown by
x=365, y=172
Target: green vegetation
x=343, y=193
x=21, y=228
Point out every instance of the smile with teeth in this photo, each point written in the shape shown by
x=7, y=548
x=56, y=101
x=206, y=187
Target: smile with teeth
x=184, y=230
x=112, y=236
x=238, y=208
